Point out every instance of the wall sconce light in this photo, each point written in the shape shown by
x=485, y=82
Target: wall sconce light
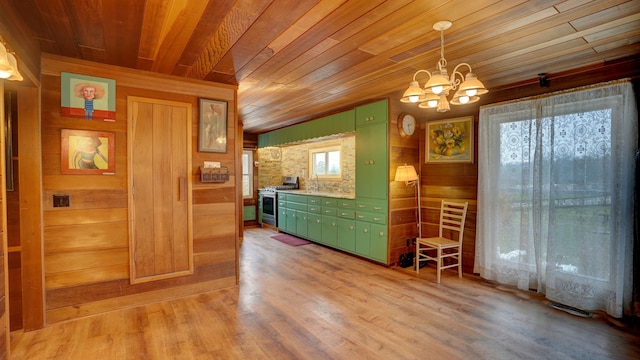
x=8, y=64
x=256, y=163
x=408, y=174
x=435, y=91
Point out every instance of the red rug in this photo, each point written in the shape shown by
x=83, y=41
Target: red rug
x=290, y=240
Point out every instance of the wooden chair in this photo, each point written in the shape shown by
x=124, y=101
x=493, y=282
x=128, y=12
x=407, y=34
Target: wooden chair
x=446, y=245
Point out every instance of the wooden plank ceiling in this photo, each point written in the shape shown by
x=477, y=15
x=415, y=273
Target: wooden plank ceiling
x=295, y=59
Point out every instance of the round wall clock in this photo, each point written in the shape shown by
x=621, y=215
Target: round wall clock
x=406, y=125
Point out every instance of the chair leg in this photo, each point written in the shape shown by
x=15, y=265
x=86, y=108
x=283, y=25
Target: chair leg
x=439, y=263
x=459, y=263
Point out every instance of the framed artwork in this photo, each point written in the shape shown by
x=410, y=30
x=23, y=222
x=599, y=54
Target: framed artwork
x=450, y=141
x=88, y=97
x=88, y=152
x=212, y=126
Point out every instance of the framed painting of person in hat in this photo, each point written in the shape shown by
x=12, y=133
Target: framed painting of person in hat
x=88, y=97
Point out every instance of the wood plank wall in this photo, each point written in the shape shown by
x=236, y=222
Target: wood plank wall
x=86, y=254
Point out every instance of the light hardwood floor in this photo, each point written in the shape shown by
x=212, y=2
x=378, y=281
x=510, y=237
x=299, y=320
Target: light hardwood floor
x=311, y=302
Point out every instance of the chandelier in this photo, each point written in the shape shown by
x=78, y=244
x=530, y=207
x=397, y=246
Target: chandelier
x=466, y=89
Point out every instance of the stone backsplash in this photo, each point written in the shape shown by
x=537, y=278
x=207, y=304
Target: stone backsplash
x=293, y=160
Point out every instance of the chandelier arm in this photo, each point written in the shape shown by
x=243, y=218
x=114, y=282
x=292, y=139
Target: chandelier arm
x=420, y=71
x=453, y=80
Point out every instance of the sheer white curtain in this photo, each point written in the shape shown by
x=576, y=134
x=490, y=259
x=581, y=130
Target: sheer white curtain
x=555, y=195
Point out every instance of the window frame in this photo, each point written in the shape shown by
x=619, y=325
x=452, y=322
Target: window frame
x=248, y=173
x=326, y=150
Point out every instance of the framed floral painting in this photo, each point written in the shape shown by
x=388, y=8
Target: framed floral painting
x=450, y=141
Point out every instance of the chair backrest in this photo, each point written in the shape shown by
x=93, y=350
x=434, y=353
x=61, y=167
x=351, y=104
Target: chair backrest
x=452, y=217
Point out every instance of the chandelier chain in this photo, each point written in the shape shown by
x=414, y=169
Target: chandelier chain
x=442, y=63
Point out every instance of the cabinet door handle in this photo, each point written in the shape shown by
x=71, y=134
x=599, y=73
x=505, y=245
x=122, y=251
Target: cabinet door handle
x=381, y=234
x=366, y=230
x=351, y=227
x=318, y=221
x=377, y=208
x=333, y=224
x=376, y=219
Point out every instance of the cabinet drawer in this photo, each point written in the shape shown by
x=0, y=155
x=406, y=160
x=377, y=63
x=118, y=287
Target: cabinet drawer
x=347, y=214
x=371, y=205
x=345, y=204
x=314, y=200
x=297, y=198
x=314, y=209
x=297, y=206
x=282, y=203
x=327, y=210
x=329, y=202
x=371, y=217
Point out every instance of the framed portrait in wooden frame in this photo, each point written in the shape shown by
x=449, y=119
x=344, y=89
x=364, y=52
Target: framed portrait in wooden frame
x=87, y=97
x=212, y=126
x=86, y=152
x=450, y=141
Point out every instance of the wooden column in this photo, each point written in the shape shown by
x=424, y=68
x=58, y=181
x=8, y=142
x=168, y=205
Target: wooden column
x=30, y=175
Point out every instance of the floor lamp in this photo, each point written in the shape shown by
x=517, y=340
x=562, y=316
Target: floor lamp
x=407, y=173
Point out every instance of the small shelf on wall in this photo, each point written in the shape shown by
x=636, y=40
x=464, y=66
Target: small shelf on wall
x=214, y=175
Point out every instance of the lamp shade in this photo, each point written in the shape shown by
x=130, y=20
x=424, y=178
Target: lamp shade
x=5, y=67
x=439, y=82
x=15, y=74
x=461, y=98
x=472, y=86
x=406, y=173
x=413, y=93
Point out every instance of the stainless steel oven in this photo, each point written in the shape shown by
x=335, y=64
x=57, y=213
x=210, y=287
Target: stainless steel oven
x=269, y=201
x=269, y=208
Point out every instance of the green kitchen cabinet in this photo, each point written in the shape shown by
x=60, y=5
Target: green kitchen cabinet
x=372, y=166
x=302, y=220
x=291, y=221
x=329, y=230
x=371, y=240
x=378, y=242
x=314, y=227
x=346, y=234
x=372, y=113
x=282, y=218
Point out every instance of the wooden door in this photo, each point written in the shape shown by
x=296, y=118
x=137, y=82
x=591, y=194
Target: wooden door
x=159, y=146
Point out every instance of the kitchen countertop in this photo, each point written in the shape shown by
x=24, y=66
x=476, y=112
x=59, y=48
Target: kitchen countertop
x=318, y=193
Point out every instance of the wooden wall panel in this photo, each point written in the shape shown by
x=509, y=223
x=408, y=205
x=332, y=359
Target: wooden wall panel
x=86, y=253
x=402, y=198
x=30, y=173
